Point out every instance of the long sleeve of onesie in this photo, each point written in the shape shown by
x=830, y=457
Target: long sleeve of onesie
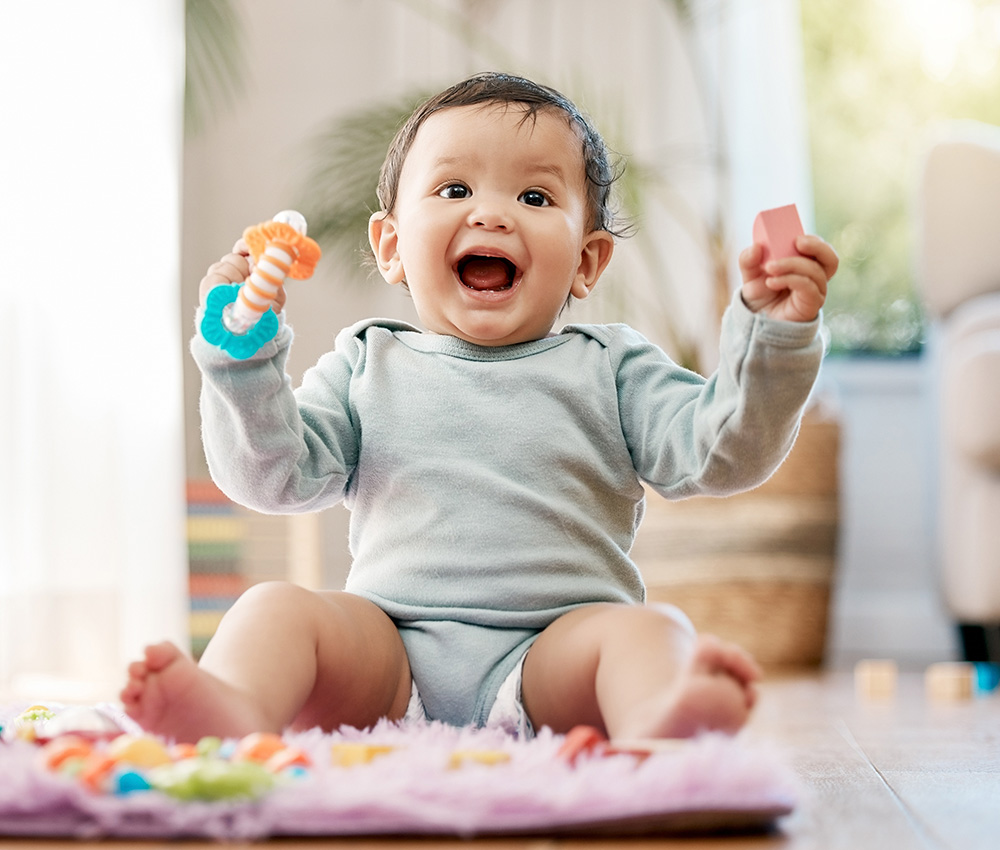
x=690, y=436
x=266, y=449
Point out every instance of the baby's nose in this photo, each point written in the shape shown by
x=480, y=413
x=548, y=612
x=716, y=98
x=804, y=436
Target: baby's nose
x=491, y=223
x=491, y=216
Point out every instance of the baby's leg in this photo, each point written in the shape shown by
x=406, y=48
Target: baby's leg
x=636, y=672
x=282, y=656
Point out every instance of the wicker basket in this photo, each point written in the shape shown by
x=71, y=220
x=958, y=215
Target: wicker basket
x=756, y=568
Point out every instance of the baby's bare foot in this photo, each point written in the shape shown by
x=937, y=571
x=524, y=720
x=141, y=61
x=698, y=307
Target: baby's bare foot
x=714, y=692
x=168, y=694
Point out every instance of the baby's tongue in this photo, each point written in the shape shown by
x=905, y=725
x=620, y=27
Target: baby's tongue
x=485, y=273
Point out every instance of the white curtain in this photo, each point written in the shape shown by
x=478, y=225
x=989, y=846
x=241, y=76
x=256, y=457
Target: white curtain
x=92, y=553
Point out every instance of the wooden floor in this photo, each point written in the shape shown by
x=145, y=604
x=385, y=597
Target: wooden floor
x=909, y=773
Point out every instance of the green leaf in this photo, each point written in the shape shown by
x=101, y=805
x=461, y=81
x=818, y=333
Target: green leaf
x=215, y=62
x=343, y=171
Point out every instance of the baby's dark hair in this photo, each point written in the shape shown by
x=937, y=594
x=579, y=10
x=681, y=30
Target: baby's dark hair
x=506, y=89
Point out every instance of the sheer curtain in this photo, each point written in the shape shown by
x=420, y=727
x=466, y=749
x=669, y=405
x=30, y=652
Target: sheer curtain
x=92, y=553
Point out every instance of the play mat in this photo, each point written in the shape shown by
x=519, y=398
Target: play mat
x=87, y=772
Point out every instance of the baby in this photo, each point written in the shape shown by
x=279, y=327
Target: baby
x=493, y=467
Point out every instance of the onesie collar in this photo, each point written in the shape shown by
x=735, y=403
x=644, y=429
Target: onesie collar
x=454, y=347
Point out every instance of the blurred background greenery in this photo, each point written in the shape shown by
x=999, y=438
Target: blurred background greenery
x=879, y=73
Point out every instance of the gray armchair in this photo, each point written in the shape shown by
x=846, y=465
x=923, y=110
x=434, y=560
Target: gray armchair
x=958, y=252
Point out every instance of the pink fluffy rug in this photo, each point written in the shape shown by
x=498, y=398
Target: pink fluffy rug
x=712, y=783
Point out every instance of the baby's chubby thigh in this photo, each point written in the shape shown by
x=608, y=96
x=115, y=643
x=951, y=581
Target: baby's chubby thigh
x=345, y=648
x=599, y=656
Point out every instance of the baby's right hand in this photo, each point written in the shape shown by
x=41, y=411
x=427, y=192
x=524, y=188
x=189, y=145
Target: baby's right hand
x=234, y=267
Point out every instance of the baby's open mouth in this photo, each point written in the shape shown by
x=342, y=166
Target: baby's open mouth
x=486, y=274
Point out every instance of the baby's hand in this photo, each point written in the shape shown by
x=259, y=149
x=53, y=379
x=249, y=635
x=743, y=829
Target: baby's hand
x=790, y=288
x=234, y=267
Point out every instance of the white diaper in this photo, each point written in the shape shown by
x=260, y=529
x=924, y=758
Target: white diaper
x=507, y=712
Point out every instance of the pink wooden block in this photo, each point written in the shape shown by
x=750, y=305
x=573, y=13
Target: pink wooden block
x=776, y=230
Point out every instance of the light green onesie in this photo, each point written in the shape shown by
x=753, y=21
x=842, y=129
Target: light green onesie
x=494, y=489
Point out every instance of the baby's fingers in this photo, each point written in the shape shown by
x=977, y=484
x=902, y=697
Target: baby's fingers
x=796, y=273
x=279, y=300
x=799, y=298
x=232, y=268
x=821, y=251
x=749, y=261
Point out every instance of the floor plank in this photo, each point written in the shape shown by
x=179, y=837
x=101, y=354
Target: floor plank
x=908, y=772
x=845, y=801
x=942, y=759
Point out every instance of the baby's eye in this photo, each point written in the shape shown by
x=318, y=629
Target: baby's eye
x=455, y=191
x=534, y=198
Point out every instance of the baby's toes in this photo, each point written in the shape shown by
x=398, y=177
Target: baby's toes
x=131, y=693
x=137, y=671
x=159, y=656
x=714, y=655
x=742, y=665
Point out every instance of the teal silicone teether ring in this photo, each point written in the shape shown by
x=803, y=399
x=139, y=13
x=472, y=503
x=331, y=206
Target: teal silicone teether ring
x=213, y=325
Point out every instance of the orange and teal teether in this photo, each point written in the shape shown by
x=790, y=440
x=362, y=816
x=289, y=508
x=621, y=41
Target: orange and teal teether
x=238, y=317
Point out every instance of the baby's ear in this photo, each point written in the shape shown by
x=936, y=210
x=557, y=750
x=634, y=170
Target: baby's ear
x=384, y=239
x=598, y=246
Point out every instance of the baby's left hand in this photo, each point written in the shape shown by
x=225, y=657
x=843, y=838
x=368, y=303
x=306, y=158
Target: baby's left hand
x=792, y=288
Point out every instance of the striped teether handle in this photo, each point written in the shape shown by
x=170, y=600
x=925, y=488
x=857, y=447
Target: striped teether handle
x=280, y=249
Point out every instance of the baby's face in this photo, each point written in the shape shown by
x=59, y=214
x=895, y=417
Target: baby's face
x=491, y=229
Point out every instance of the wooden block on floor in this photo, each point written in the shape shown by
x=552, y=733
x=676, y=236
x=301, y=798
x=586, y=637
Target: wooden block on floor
x=875, y=679
x=949, y=681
